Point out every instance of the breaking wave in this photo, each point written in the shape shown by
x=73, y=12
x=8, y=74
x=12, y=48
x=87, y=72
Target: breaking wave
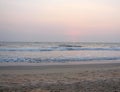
x=59, y=59
x=61, y=48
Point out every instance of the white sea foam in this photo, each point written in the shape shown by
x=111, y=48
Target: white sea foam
x=60, y=59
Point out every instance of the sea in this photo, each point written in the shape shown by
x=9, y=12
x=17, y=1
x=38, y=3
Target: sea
x=58, y=52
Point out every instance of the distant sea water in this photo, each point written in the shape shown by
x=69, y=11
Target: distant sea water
x=36, y=52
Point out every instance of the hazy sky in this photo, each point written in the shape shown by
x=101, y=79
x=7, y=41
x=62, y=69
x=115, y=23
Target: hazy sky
x=60, y=20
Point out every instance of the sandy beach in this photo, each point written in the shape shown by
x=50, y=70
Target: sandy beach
x=104, y=77
x=59, y=45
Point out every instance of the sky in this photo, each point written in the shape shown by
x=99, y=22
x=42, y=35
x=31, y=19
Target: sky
x=60, y=20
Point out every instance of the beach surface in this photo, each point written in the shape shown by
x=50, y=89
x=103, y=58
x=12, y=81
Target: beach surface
x=70, y=77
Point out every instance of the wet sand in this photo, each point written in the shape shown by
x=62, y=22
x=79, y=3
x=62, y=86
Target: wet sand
x=104, y=77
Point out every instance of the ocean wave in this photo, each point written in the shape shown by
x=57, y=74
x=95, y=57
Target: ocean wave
x=61, y=49
x=66, y=45
x=59, y=59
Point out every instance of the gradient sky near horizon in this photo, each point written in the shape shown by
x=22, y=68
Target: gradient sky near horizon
x=60, y=20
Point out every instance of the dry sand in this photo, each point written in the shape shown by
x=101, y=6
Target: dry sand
x=104, y=77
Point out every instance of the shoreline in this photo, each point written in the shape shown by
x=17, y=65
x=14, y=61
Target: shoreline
x=58, y=63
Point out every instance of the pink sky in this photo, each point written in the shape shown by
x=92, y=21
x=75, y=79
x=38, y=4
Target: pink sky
x=60, y=20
